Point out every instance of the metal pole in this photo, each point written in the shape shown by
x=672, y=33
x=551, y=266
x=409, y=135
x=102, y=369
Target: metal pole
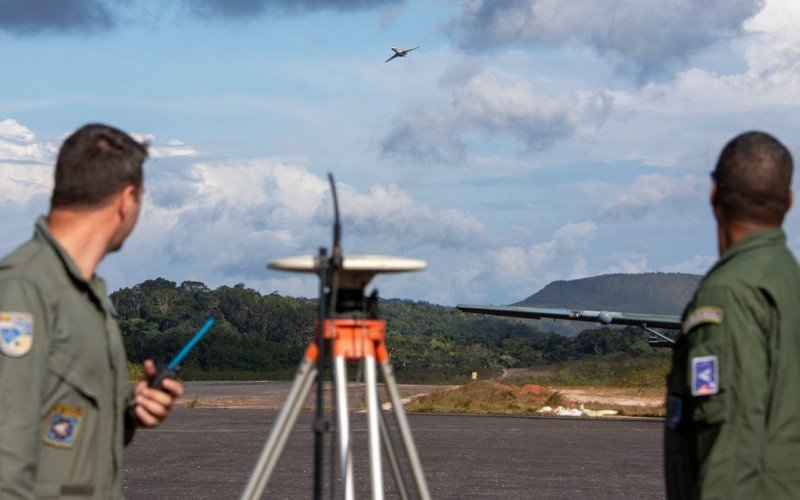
x=345, y=450
x=405, y=430
x=303, y=380
x=391, y=453
x=320, y=424
x=371, y=388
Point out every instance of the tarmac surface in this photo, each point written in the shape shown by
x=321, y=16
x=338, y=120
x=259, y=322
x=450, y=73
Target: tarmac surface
x=210, y=452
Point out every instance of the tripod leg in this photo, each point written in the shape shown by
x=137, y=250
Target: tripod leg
x=303, y=380
x=391, y=453
x=371, y=387
x=345, y=452
x=405, y=430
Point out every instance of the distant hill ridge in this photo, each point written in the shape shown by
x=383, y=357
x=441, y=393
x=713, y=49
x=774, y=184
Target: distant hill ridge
x=656, y=293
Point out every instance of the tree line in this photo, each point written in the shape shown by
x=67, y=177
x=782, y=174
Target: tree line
x=263, y=336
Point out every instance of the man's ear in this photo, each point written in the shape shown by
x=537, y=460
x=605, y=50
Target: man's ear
x=128, y=197
x=789, y=200
x=714, y=200
x=713, y=197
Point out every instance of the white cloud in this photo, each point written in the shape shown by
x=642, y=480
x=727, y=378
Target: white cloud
x=699, y=264
x=646, y=36
x=233, y=216
x=651, y=192
x=26, y=165
x=769, y=81
x=170, y=149
x=11, y=130
x=486, y=105
x=390, y=210
x=628, y=263
x=18, y=143
x=519, y=270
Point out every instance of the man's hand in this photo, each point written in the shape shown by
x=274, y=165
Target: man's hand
x=153, y=405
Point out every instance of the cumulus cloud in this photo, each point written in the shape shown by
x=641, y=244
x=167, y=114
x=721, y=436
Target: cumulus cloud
x=699, y=264
x=170, y=149
x=769, y=81
x=520, y=269
x=222, y=221
x=648, y=36
x=390, y=210
x=630, y=263
x=25, y=17
x=31, y=17
x=649, y=192
x=247, y=8
x=484, y=104
x=25, y=164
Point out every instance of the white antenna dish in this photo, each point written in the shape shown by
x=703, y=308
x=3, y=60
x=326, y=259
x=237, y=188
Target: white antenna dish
x=356, y=270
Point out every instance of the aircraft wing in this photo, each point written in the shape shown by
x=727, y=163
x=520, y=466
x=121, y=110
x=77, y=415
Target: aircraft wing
x=603, y=317
x=396, y=55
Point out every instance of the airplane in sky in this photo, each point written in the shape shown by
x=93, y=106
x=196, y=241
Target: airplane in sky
x=644, y=321
x=400, y=52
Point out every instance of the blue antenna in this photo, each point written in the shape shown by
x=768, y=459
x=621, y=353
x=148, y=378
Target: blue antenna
x=169, y=372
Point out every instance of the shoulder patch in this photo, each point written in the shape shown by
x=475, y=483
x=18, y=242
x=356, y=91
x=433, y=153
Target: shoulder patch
x=704, y=314
x=16, y=333
x=705, y=376
x=63, y=425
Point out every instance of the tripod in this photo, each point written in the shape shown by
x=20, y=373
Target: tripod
x=349, y=340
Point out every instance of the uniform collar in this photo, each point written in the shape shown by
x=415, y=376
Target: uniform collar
x=759, y=239
x=96, y=284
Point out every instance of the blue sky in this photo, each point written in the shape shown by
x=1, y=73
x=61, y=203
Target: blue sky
x=525, y=141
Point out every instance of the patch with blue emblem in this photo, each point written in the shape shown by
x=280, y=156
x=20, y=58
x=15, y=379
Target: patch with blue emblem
x=674, y=411
x=705, y=376
x=16, y=333
x=63, y=425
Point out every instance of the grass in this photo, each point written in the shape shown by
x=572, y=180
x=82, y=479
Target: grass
x=193, y=403
x=485, y=397
x=607, y=371
x=498, y=398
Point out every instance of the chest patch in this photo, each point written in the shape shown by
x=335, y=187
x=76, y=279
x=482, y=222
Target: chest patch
x=16, y=333
x=705, y=314
x=63, y=425
x=705, y=376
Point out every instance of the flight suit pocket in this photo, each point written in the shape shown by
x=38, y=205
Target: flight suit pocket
x=69, y=426
x=708, y=416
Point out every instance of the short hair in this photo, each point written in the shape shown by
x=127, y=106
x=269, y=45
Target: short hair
x=754, y=177
x=93, y=164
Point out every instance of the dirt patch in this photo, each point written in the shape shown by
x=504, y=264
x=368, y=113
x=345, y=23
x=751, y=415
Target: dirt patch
x=618, y=396
x=534, y=389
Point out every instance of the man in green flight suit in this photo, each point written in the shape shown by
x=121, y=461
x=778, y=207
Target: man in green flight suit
x=733, y=402
x=66, y=407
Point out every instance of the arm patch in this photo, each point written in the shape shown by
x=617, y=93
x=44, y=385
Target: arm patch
x=704, y=314
x=16, y=333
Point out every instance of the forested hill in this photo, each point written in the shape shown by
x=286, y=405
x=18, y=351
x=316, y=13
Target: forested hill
x=656, y=293
x=263, y=336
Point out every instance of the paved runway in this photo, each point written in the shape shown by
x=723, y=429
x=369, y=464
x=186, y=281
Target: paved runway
x=210, y=453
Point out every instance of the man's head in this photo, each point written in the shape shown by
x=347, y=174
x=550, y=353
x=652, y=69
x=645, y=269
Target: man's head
x=94, y=164
x=99, y=171
x=752, y=181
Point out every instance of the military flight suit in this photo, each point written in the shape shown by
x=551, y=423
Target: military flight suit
x=733, y=409
x=65, y=400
